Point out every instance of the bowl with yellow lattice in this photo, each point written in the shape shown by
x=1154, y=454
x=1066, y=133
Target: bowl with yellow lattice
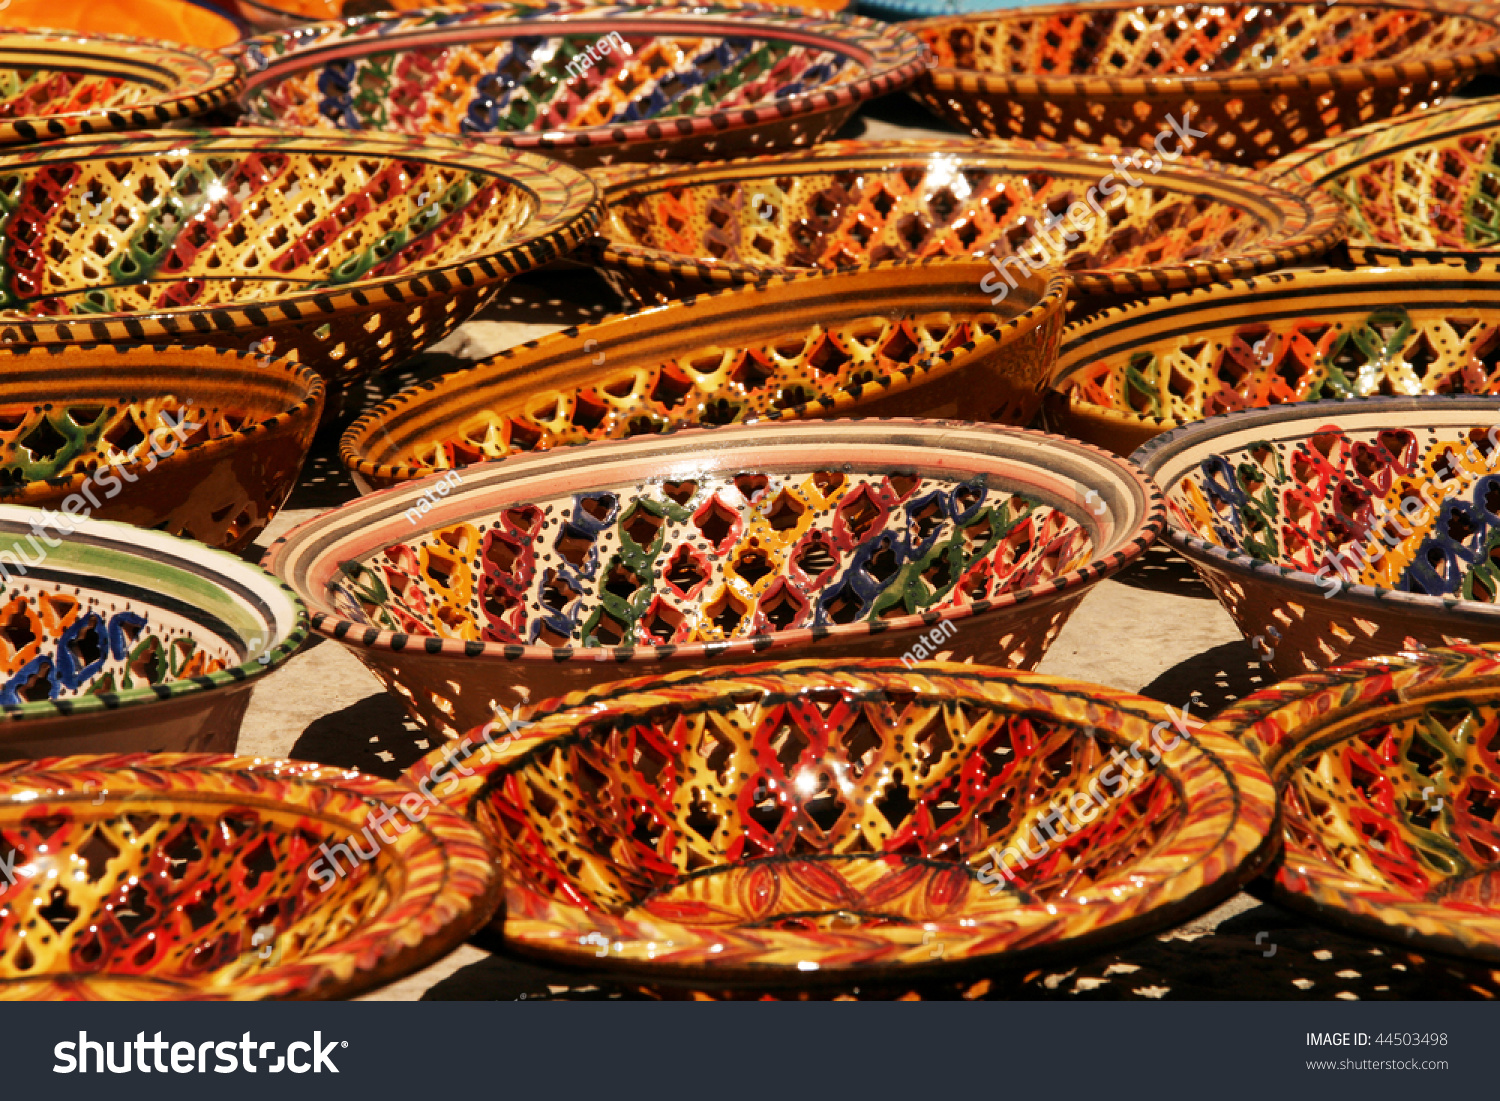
x=346, y=253
x=1117, y=228
x=1135, y=371
x=1423, y=187
x=917, y=339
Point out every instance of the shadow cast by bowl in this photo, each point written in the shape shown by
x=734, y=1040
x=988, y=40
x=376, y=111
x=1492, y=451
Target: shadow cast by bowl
x=1212, y=680
x=345, y=739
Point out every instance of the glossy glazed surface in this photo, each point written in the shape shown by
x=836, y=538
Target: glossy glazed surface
x=104, y=625
x=853, y=202
x=200, y=443
x=1133, y=372
x=1261, y=79
x=1386, y=772
x=215, y=237
x=681, y=85
x=185, y=21
x=1423, y=187
x=53, y=84
x=185, y=877
x=1342, y=530
x=548, y=572
x=901, y=340
x=837, y=818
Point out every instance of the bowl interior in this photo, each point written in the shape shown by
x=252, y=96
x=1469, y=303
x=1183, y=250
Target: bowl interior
x=490, y=72
x=1403, y=803
x=184, y=21
x=1184, y=361
x=115, y=611
x=953, y=202
x=101, y=409
x=161, y=226
x=715, y=554
x=824, y=342
x=821, y=810
x=1191, y=40
x=1398, y=500
x=163, y=877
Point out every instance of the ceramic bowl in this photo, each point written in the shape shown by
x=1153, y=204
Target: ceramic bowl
x=53, y=84
x=510, y=582
x=274, y=14
x=847, y=816
x=911, y=339
x=203, y=877
x=201, y=443
x=186, y=21
x=1261, y=80
x=1418, y=188
x=1386, y=777
x=114, y=639
x=678, y=233
x=671, y=84
x=893, y=11
x=1339, y=530
x=216, y=237
x=1128, y=374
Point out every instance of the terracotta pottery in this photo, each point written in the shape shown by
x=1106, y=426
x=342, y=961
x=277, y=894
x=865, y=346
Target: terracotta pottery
x=1128, y=374
x=590, y=85
x=1386, y=776
x=115, y=639
x=1423, y=187
x=911, y=339
x=215, y=237
x=186, y=21
x=1339, y=530
x=202, y=877
x=510, y=582
x=53, y=84
x=838, y=817
x=1029, y=205
x=1261, y=80
x=273, y=14
x=201, y=443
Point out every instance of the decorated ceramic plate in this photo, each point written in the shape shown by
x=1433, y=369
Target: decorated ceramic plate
x=821, y=819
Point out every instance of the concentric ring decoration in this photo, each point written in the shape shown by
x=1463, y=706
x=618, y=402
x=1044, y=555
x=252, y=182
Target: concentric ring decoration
x=54, y=84
x=817, y=820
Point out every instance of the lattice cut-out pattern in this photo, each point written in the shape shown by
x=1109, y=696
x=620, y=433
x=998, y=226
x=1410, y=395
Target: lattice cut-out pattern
x=62, y=643
x=188, y=228
x=1415, y=510
x=1393, y=351
x=672, y=562
x=715, y=385
x=1077, y=75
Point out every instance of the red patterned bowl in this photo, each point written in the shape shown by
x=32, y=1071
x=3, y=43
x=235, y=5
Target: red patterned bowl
x=515, y=581
x=345, y=252
x=589, y=85
x=1116, y=233
x=781, y=823
x=199, y=877
x=1387, y=775
x=196, y=442
x=914, y=339
x=1260, y=79
x=53, y=84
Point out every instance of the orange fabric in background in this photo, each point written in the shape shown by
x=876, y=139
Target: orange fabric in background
x=172, y=20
